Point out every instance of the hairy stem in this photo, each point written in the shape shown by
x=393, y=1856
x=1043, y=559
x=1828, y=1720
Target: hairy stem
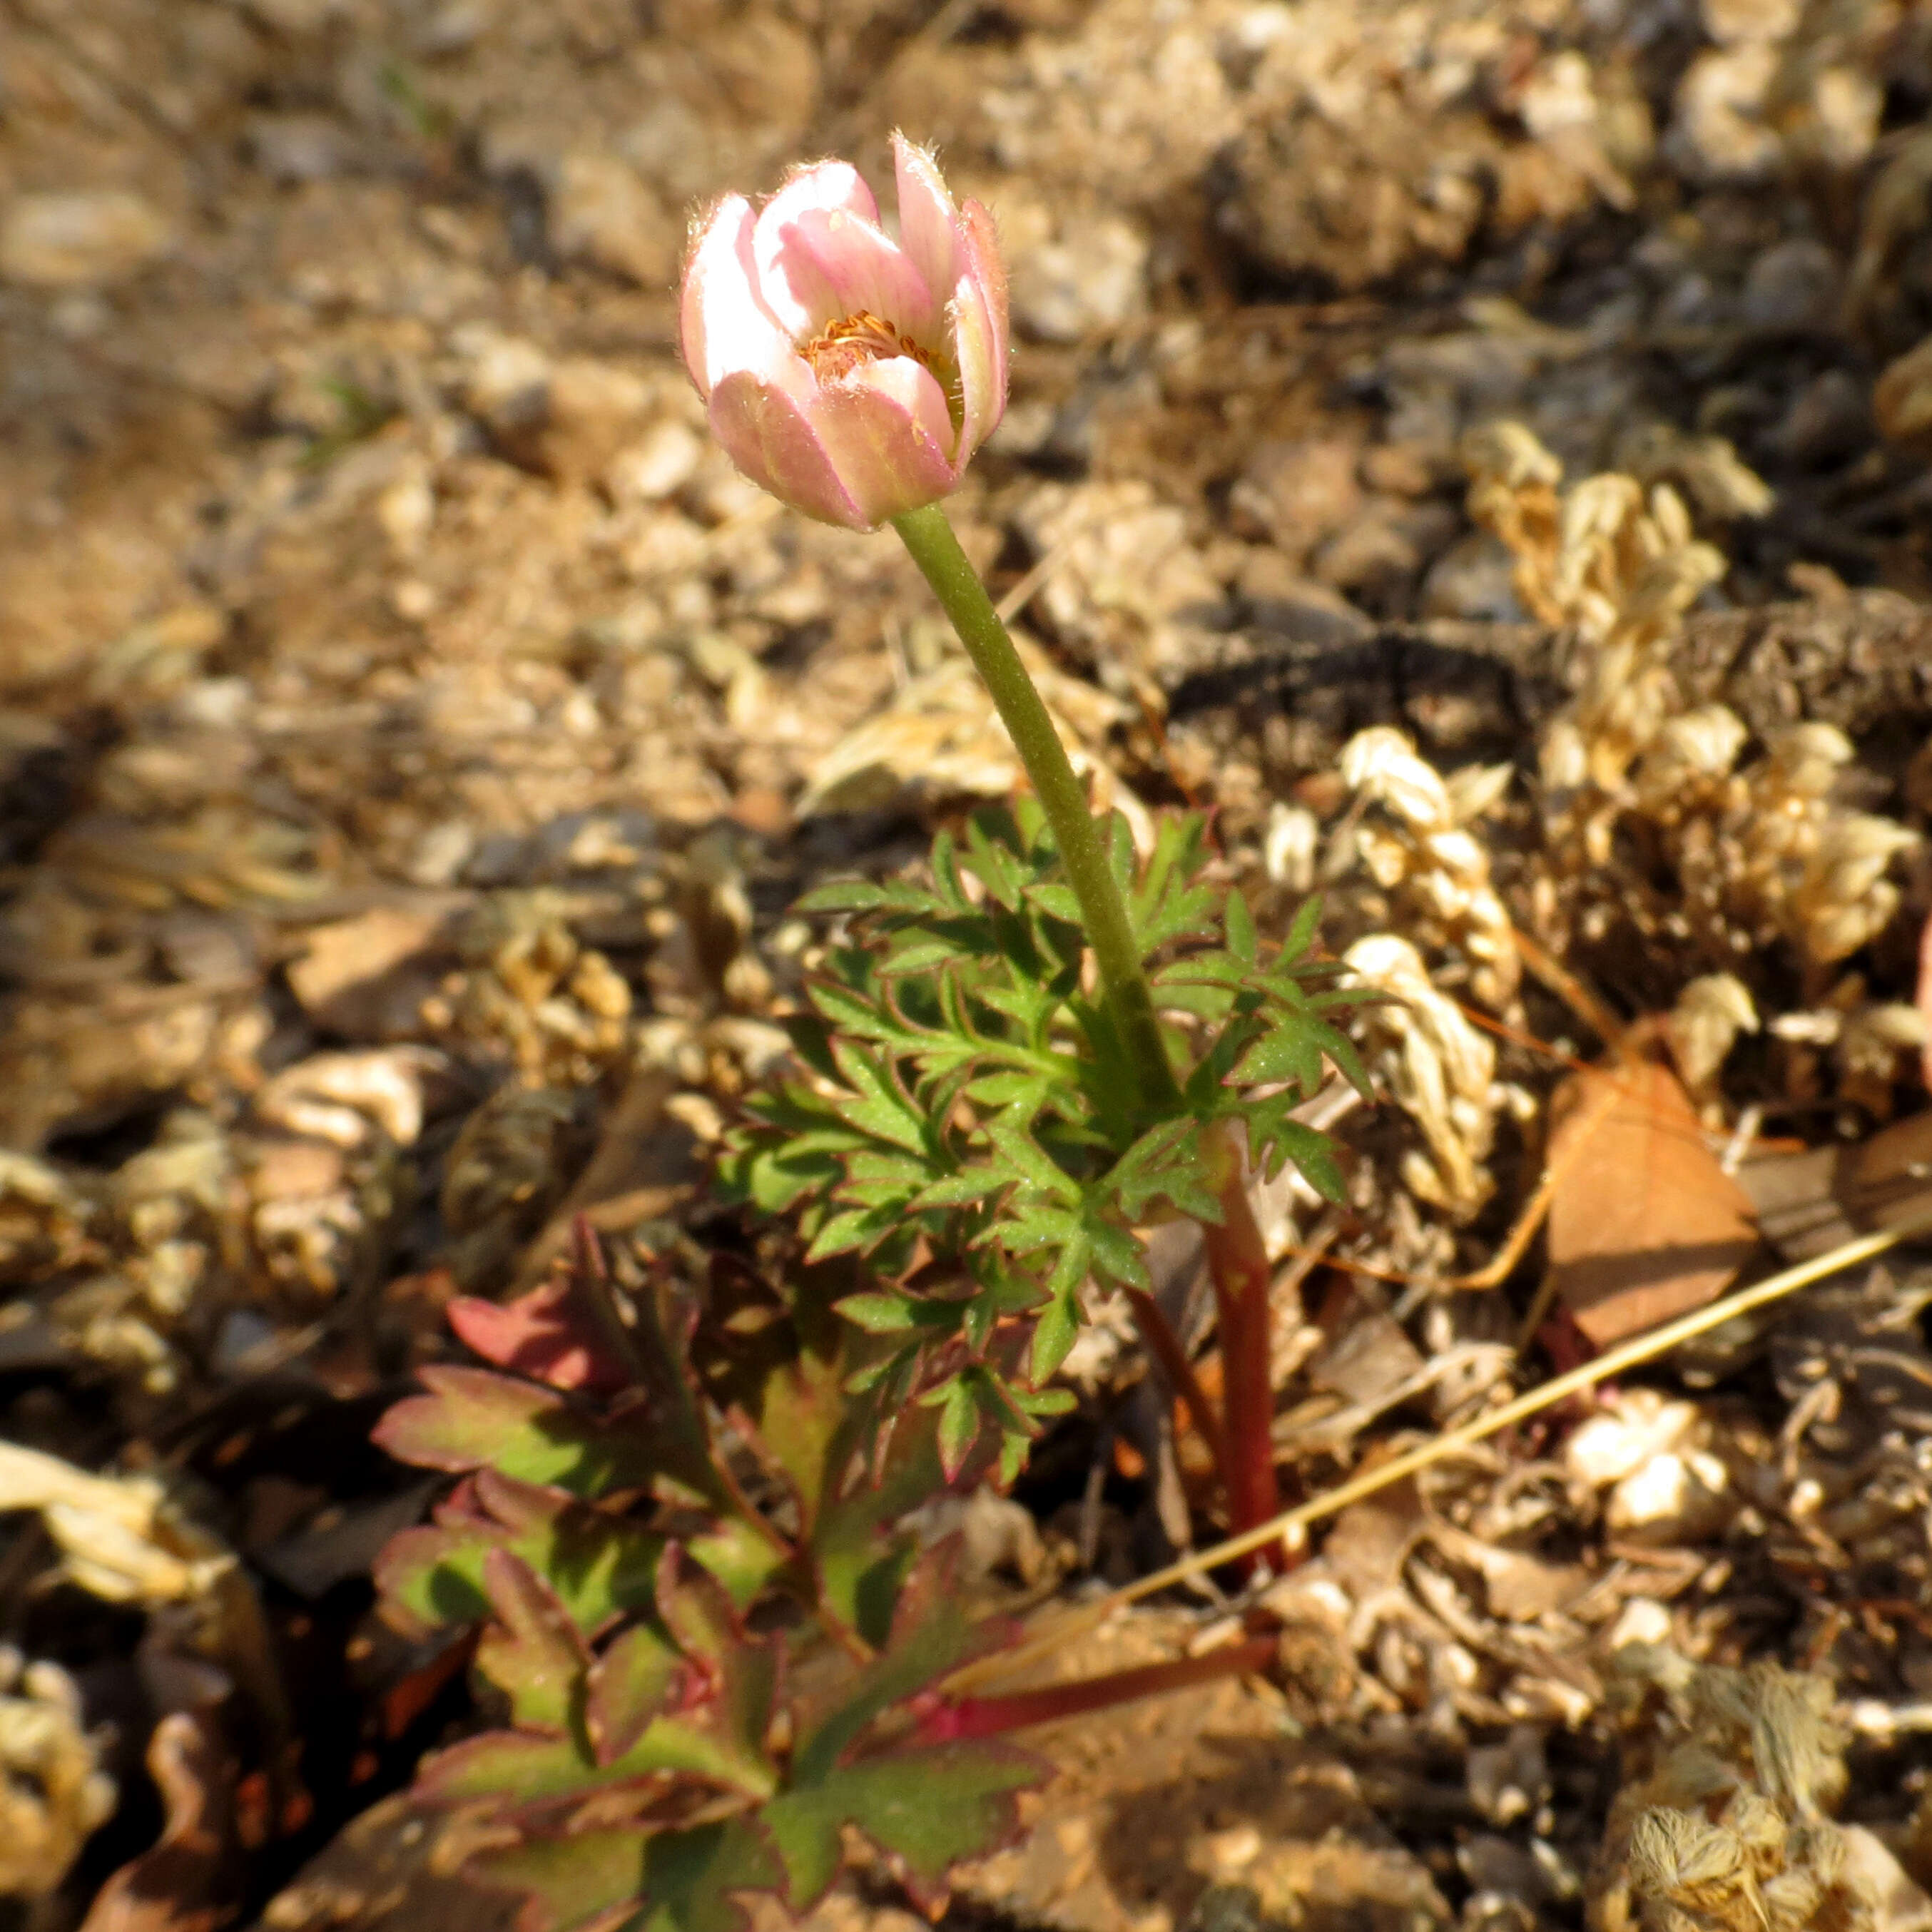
x=934, y=548
x=989, y=1716
x=1238, y=1264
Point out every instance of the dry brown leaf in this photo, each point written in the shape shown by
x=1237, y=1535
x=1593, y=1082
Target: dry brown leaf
x=1645, y=1224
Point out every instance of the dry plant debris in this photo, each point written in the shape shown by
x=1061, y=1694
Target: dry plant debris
x=1724, y=1820
x=53, y=1790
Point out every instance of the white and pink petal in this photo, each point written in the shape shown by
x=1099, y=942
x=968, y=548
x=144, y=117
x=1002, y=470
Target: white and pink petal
x=927, y=220
x=852, y=266
x=723, y=324
x=977, y=323
x=887, y=430
x=772, y=437
x=825, y=187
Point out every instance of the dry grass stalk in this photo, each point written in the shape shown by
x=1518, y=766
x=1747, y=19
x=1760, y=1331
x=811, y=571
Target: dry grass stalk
x=1292, y=1524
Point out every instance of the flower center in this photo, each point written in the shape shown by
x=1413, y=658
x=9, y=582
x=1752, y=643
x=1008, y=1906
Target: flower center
x=853, y=340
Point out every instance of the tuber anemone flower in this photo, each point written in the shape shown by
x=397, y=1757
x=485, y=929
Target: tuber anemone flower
x=851, y=375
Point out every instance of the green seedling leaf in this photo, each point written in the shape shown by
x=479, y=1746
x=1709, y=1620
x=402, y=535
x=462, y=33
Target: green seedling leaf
x=1056, y=1329
x=579, y=1880
x=855, y=1230
x=847, y=895
x=1300, y=932
x=1242, y=942
x=1168, y=901
x=1290, y=1050
x=1057, y=900
x=471, y=1419
x=880, y=1106
x=1165, y=1164
x=534, y=1652
x=928, y=1808
x=628, y=1688
x=1274, y=1138
x=1022, y=1157
x=694, y=1879
x=522, y=1770
x=600, y=1567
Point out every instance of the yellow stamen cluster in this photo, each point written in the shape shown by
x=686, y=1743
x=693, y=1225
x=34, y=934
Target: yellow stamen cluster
x=843, y=346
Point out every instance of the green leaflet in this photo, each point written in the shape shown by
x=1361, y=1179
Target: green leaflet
x=931, y=1808
x=979, y=1106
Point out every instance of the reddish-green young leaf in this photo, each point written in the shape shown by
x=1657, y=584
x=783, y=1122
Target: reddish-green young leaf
x=931, y=1635
x=798, y=1421
x=742, y=1676
x=694, y=1879
x=600, y=1566
x=959, y=1423
x=859, y=1560
x=533, y=1652
x=521, y=1768
x=663, y=1880
x=547, y=1334
x=929, y=1808
x=471, y=1419
x=743, y=1554
x=568, y=1881
x=638, y=1674
x=879, y=1314
x=1054, y=1336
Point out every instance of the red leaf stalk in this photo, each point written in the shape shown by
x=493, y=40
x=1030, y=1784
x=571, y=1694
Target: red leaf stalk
x=990, y=1717
x=1238, y=1264
x=1158, y=1333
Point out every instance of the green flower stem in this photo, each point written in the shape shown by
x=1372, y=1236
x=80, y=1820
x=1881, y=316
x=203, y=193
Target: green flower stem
x=934, y=548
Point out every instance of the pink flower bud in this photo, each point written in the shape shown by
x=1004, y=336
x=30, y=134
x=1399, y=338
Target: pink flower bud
x=851, y=375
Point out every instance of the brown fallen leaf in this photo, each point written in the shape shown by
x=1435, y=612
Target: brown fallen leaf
x=188, y=1880
x=1644, y=1223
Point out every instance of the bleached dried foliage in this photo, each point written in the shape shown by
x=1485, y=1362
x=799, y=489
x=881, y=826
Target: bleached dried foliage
x=1438, y=1068
x=1618, y=563
x=1871, y=1044
x=1710, y=1013
x=530, y=993
x=1417, y=841
x=1761, y=850
x=121, y=1538
x=53, y=1790
x=1720, y=1825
